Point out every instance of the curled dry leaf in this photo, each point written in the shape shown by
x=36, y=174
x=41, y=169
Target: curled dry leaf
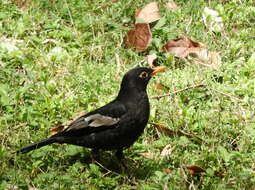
x=149, y=14
x=207, y=58
x=171, y=5
x=195, y=170
x=59, y=128
x=139, y=38
x=182, y=47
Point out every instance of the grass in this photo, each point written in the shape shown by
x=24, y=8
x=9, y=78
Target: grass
x=59, y=58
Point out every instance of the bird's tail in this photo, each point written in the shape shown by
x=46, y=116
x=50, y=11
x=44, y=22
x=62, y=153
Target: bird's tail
x=37, y=145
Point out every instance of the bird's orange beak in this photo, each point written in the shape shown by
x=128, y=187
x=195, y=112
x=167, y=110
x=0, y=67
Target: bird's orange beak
x=158, y=69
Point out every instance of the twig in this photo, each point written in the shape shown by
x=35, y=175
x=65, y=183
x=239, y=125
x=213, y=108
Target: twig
x=106, y=173
x=108, y=170
x=181, y=90
x=224, y=94
x=196, y=86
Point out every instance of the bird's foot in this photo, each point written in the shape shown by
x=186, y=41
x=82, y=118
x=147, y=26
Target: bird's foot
x=94, y=155
x=121, y=159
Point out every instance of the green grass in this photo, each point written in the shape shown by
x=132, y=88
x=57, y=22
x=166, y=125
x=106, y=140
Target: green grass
x=65, y=61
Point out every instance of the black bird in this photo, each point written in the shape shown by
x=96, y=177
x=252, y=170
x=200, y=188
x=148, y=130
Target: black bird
x=116, y=125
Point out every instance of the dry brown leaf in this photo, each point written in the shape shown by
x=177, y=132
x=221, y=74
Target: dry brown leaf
x=150, y=155
x=59, y=128
x=149, y=14
x=219, y=174
x=195, y=170
x=150, y=59
x=170, y=133
x=171, y=5
x=164, y=130
x=182, y=47
x=167, y=171
x=139, y=38
x=160, y=86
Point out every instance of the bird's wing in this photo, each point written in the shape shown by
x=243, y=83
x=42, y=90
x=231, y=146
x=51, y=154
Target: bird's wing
x=104, y=117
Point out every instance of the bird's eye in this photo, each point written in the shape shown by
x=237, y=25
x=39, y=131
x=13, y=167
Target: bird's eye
x=143, y=75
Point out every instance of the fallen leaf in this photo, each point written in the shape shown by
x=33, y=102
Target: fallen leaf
x=219, y=174
x=171, y=5
x=212, y=20
x=150, y=59
x=150, y=155
x=182, y=47
x=167, y=150
x=170, y=133
x=160, y=86
x=167, y=171
x=139, y=38
x=57, y=129
x=164, y=130
x=207, y=58
x=195, y=170
x=149, y=14
x=60, y=127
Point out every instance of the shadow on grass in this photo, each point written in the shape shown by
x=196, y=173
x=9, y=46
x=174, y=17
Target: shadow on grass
x=107, y=162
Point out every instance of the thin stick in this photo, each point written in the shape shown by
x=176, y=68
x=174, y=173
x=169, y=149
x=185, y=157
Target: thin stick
x=108, y=170
x=224, y=94
x=196, y=86
x=181, y=90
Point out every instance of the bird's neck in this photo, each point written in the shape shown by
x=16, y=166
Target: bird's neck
x=131, y=93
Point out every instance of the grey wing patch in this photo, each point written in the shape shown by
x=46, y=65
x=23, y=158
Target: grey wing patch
x=98, y=120
x=78, y=124
x=95, y=120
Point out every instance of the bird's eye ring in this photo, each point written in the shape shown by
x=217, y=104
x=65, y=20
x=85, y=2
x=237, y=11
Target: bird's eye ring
x=143, y=75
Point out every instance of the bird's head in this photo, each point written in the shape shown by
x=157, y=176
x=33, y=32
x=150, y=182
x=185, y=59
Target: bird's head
x=138, y=78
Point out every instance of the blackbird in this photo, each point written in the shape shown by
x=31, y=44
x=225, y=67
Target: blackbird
x=115, y=126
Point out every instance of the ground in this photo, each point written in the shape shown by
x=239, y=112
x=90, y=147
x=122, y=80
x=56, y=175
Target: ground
x=58, y=58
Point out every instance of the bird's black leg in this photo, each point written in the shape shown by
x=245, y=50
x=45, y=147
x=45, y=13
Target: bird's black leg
x=94, y=155
x=120, y=156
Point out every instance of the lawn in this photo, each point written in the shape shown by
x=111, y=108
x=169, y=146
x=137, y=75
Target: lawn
x=58, y=58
